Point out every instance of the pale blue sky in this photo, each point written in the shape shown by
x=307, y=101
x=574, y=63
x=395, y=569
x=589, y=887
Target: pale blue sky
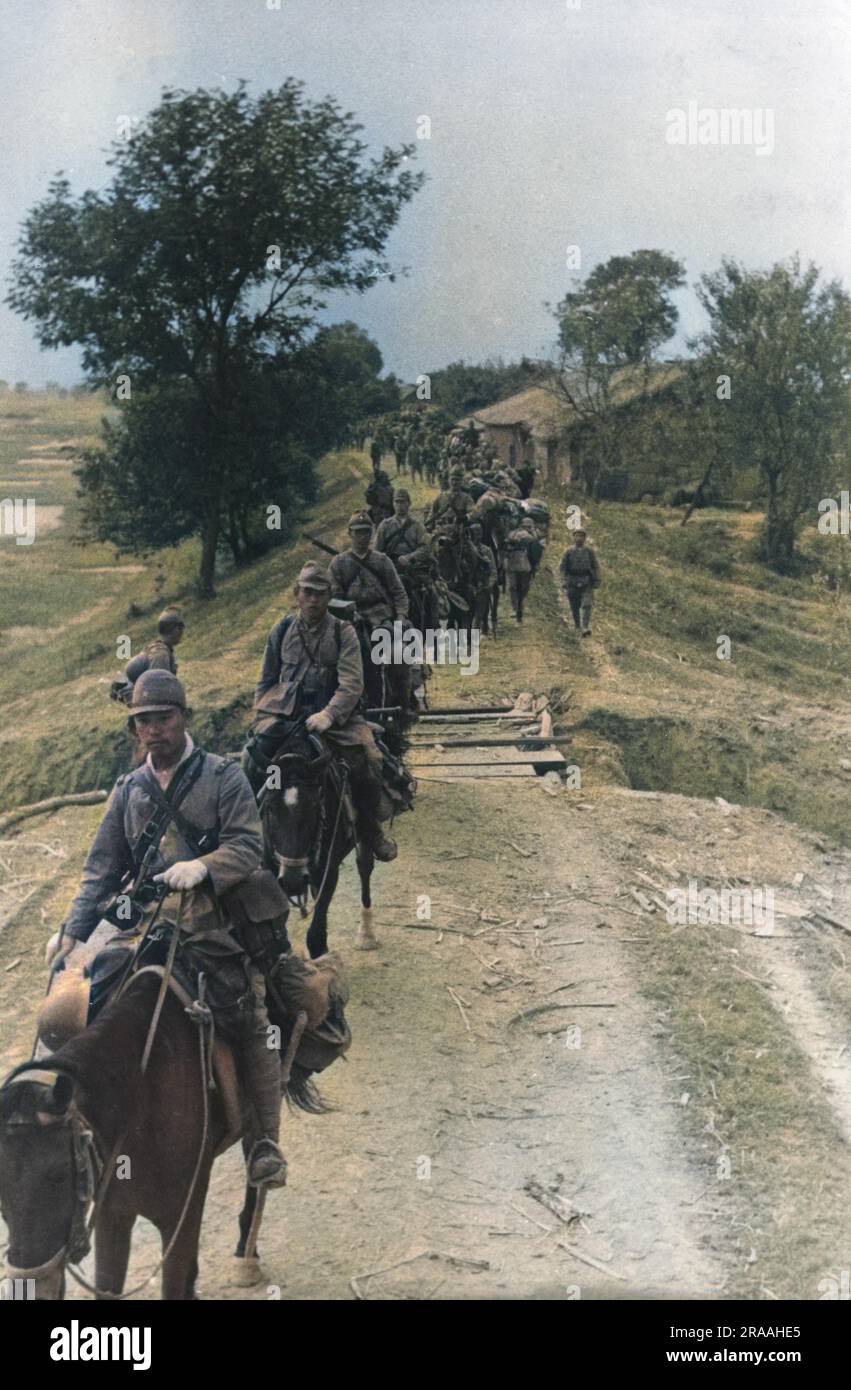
x=548, y=129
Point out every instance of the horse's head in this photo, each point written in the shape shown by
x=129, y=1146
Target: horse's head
x=46, y=1176
x=290, y=810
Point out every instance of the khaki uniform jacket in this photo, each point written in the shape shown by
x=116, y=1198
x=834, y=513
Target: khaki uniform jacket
x=156, y=656
x=290, y=678
x=452, y=504
x=580, y=562
x=221, y=801
x=517, y=546
x=409, y=537
x=375, y=595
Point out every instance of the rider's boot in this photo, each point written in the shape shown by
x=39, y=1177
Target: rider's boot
x=366, y=794
x=267, y=1166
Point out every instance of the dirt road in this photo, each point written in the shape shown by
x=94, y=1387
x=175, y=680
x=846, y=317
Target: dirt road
x=480, y=1150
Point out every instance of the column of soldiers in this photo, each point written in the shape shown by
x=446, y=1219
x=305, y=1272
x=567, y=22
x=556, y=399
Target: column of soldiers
x=314, y=663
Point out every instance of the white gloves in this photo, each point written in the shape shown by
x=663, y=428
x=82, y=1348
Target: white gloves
x=318, y=723
x=187, y=873
x=54, y=953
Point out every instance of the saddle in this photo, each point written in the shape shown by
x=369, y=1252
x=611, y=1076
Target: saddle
x=78, y=996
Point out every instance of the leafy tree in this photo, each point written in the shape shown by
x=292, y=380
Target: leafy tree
x=610, y=329
x=782, y=338
x=201, y=269
x=463, y=388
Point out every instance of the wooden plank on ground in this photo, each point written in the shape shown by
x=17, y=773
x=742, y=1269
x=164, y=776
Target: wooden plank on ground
x=471, y=774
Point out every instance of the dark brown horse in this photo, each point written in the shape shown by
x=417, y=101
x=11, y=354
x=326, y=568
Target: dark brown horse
x=157, y=1135
x=308, y=832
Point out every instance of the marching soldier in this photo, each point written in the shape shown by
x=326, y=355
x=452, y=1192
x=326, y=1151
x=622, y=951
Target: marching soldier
x=215, y=845
x=486, y=579
x=518, y=564
x=379, y=497
x=580, y=572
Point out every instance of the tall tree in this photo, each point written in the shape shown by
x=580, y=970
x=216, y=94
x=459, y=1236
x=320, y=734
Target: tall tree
x=610, y=329
x=227, y=221
x=781, y=338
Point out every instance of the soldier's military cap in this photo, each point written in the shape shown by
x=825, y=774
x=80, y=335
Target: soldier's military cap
x=157, y=690
x=313, y=576
x=361, y=521
x=401, y=495
x=169, y=618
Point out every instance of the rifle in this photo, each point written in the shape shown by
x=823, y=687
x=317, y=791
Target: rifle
x=329, y=549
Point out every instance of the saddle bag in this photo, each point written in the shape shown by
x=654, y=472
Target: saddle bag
x=319, y=988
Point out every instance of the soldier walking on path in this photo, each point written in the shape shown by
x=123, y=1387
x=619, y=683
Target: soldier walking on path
x=580, y=572
x=518, y=565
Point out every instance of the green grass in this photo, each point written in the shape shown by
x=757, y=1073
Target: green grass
x=652, y=704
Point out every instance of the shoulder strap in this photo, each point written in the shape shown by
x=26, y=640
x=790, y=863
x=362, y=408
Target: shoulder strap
x=167, y=804
x=283, y=628
x=377, y=577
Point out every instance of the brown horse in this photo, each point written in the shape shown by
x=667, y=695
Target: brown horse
x=87, y=1106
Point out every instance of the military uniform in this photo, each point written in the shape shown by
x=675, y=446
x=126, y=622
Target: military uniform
x=454, y=504
x=485, y=583
x=372, y=584
x=313, y=668
x=379, y=497
x=519, y=568
x=219, y=805
x=580, y=572
x=317, y=669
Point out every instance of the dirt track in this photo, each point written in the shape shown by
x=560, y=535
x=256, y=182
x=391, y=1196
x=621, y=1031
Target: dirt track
x=449, y=1106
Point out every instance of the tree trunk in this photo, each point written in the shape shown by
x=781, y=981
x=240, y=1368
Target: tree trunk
x=779, y=531
x=237, y=551
x=209, y=544
x=698, y=492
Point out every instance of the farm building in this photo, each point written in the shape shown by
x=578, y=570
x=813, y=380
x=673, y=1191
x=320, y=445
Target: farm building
x=537, y=426
x=527, y=428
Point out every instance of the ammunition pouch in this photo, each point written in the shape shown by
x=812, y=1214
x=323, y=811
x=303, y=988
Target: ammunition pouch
x=258, y=911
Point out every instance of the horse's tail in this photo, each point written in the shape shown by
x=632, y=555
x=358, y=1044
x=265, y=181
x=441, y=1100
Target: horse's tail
x=301, y=1093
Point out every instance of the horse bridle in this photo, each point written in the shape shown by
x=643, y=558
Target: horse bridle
x=87, y=1167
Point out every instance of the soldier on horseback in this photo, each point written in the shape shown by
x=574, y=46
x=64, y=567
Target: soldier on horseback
x=370, y=580
x=313, y=671
x=187, y=819
x=453, y=503
x=406, y=542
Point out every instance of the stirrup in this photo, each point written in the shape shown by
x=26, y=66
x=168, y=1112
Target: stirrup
x=267, y=1166
x=384, y=848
